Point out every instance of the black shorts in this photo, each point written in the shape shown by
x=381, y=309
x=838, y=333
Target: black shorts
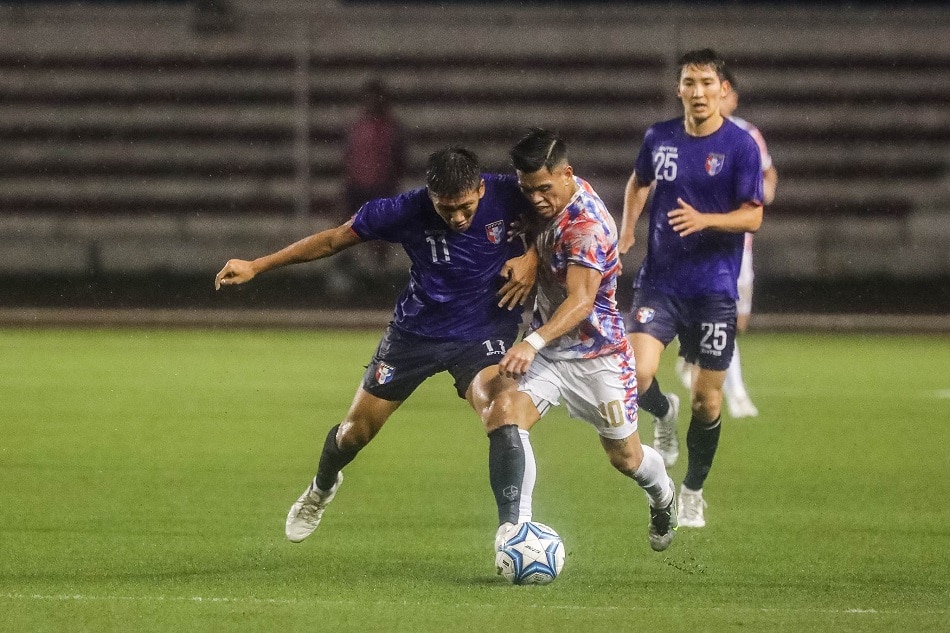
x=403, y=361
x=706, y=325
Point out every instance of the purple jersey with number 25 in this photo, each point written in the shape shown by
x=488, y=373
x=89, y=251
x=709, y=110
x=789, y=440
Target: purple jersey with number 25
x=454, y=276
x=714, y=174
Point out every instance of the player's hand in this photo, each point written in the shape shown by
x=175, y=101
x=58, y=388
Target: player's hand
x=516, y=362
x=516, y=230
x=625, y=243
x=686, y=220
x=520, y=274
x=236, y=271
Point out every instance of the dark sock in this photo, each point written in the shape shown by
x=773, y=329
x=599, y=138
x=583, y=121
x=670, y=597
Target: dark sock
x=702, y=440
x=332, y=461
x=653, y=400
x=506, y=471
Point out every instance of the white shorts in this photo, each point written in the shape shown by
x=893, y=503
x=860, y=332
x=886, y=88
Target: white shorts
x=744, y=304
x=601, y=391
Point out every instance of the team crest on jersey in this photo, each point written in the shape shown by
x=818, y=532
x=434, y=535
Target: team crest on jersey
x=714, y=163
x=645, y=315
x=384, y=373
x=495, y=231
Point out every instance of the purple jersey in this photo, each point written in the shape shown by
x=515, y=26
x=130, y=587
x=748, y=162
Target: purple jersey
x=715, y=174
x=583, y=234
x=454, y=276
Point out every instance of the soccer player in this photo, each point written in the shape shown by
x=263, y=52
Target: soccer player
x=737, y=396
x=457, y=313
x=705, y=174
x=577, y=350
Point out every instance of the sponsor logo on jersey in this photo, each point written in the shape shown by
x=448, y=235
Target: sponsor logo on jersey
x=714, y=163
x=384, y=373
x=645, y=315
x=495, y=231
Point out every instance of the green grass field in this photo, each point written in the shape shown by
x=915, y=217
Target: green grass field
x=145, y=476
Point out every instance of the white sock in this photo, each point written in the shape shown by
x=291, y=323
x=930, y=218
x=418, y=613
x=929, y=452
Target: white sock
x=652, y=477
x=734, y=386
x=530, y=475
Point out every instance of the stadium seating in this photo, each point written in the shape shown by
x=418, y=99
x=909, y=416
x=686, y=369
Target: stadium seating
x=130, y=111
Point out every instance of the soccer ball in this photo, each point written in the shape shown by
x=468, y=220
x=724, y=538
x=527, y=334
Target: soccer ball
x=530, y=553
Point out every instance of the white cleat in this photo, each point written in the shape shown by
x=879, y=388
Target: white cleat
x=305, y=514
x=665, y=440
x=663, y=523
x=691, y=507
x=741, y=406
x=499, y=541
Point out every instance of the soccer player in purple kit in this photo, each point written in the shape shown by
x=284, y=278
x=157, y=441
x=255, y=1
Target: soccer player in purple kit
x=705, y=174
x=577, y=350
x=457, y=313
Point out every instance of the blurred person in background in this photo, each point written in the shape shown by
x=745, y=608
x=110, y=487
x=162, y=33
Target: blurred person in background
x=374, y=156
x=705, y=176
x=737, y=396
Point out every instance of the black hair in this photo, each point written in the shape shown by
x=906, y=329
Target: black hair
x=538, y=148
x=453, y=171
x=729, y=76
x=701, y=57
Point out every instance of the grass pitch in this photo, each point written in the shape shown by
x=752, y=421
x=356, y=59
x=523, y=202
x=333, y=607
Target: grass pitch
x=145, y=476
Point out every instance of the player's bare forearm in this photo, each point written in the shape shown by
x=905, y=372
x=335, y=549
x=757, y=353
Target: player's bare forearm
x=686, y=220
x=635, y=199
x=769, y=184
x=582, y=286
x=316, y=246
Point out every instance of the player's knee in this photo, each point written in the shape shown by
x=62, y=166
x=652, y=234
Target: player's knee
x=353, y=435
x=706, y=404
x=510, y=407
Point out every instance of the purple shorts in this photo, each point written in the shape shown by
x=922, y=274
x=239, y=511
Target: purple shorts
x=706, y=325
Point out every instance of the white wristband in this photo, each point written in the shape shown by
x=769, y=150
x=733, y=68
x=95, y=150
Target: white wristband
x=534, y=340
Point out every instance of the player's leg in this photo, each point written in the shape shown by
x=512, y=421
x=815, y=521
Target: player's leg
x=399, y=365
x=710, y=342
x=737, y=396
x=363, y=421
x=603, y=392
x=511, y=466
x=683, y=369
x=652, y=324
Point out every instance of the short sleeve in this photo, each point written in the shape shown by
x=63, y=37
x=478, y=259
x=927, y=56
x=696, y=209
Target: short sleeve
x=749, y=185
x=644, y=165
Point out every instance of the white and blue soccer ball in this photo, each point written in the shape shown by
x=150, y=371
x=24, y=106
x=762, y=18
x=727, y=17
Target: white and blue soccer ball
x=530, y=553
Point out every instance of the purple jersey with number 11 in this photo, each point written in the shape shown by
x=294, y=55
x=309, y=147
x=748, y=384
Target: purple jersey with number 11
x=714, y=174
x=454, y=276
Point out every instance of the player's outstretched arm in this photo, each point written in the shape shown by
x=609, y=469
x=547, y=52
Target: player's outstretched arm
x=520, y=273
x=316, y=246
x=634, y=199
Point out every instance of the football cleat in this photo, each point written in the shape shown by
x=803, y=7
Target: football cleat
x=665, y=440
x=305, y=514
x=663, y=523
x=499, y=542
x=691, y=508
x=741, y=406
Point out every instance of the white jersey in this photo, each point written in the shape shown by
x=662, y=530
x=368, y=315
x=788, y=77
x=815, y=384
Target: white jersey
x=745, y=270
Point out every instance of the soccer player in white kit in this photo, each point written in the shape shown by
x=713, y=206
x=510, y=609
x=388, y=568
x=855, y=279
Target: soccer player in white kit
x=576, y=350
x=737, y=396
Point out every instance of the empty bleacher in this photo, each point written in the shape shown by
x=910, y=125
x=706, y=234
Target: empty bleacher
x=132, y=141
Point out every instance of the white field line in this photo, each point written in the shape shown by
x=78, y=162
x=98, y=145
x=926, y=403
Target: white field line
x=395, y=603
